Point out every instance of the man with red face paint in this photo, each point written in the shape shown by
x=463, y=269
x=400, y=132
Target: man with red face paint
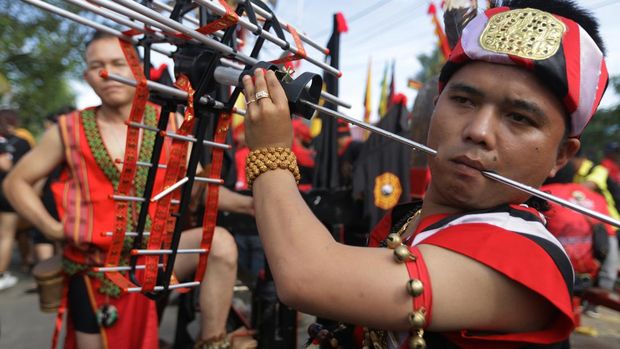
x=475, y=267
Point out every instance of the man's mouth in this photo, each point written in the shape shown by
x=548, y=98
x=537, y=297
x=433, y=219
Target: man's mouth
x=469, y=162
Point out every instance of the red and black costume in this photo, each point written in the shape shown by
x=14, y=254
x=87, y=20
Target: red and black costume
x=510, y=239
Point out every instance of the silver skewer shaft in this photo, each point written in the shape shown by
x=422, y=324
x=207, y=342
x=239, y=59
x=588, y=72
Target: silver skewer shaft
x=226, y=50
x=116, y=18
x=128, y=233
x=155, y=86
x=285, y=25
x=170, y=287
x=546, y=196
x=88, y=23
x=160, y=252
x=218, y=10
x=528, y=189
x=135, y=199
x=122, y=268
x=142, y=164
x=178, y=136
x=169, y=190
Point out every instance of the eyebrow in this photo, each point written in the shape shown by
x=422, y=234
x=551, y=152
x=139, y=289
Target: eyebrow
x=462, y=87
x=529, y=107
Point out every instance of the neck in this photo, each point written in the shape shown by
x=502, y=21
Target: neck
x=118, y=114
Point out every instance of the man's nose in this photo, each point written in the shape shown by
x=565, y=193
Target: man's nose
x=481, y=127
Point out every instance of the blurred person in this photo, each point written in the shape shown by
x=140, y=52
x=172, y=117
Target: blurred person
x=611, y=160
x=12, y=148
x=579, y=234
x=85, y=143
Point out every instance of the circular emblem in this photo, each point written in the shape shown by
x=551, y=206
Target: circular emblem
x=387, y=190
x=526, y=33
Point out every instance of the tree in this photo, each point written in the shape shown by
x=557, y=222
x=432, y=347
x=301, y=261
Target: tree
x=431, y=65
x=604, y=126
x=40, y=53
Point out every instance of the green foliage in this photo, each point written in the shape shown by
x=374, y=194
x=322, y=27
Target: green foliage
x=40, y=53
x=431, y=65
x=604, y=127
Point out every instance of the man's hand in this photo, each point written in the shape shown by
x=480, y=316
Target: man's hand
x=268, y=120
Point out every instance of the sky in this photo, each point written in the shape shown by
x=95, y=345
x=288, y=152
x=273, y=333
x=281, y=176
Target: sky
x=385, y=31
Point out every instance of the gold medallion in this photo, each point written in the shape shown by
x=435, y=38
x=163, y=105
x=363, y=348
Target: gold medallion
x=387, y=190
x=526, y=33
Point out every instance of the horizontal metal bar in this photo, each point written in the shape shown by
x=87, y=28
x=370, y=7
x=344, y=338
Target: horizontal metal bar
x=88, y=23
x=127, y=233
x=512, y=183
x=170, y=287
x=136, y=252
x=218, y=10
x=122, y=268
x=141, y=163
x=285, y=25
x=116, y=18
x=135, y=199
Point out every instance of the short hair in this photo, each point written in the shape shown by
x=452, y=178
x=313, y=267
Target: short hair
x=565, y=8
x=98, y=35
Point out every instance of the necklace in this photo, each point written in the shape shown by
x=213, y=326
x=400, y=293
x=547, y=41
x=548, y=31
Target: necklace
x=411, y=218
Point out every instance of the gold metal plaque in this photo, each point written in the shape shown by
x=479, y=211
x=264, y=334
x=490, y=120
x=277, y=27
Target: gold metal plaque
x=526, y=33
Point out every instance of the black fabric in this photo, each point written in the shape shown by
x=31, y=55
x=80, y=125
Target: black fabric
x=18, y=148
x=80, y=309
x=381, y=155
x=600, y=242
x=326, y=169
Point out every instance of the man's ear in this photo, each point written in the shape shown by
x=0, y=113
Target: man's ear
x=567, y=150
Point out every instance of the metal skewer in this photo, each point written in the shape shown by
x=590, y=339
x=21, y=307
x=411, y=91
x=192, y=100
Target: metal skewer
x=89, y=23
x=514, y=184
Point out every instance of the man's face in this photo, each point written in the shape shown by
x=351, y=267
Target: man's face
x=497, y=118
x=106, y=54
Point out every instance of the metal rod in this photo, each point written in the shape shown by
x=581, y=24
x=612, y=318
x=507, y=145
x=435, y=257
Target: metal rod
x=116, y=18
x=170, y=287
x=528, y=189
x=285, y=25
x=218, y=10
x=127, y=233
x=169, y=190
x=135, y=199
x=76, y=18
x=160, y=252
x=163, y=7
x=226, y=50
x=122, y=268
x=141, y=163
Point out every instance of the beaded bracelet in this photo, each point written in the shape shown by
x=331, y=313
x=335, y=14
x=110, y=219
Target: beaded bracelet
x=262, y=160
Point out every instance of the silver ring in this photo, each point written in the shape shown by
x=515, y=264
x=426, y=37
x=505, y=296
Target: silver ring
x=250, y=102
x=261, y=94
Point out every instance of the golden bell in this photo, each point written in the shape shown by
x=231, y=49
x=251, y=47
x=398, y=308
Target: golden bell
x=416, y=342
x=402, y=254
x=393, y=241
x=415, y=287
x=417, y=319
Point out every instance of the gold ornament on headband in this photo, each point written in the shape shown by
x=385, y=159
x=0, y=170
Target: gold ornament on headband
x=526, y=33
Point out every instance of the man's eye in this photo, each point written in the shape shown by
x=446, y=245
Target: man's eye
x=461, y=100
x=520, y=118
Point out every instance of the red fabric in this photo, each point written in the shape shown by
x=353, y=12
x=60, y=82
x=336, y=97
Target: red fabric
x=572, y=56
x=573, y=229
x=83, y=193
x=500, y=250
x=613, y=168
x=305, y=156
x=156, y=73
x=240, y=155
x=341, y=22
x=399, y=98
